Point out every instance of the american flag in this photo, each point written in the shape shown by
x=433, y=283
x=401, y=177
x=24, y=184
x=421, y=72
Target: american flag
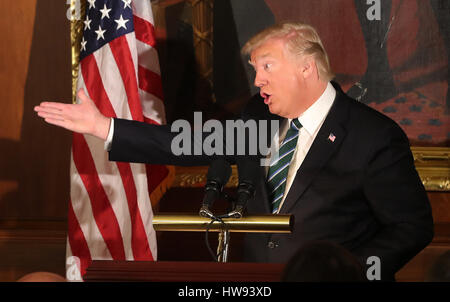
x=110, y=212
x=331, y=137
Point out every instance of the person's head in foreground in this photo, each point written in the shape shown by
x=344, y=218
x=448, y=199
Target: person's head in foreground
x=42, y=277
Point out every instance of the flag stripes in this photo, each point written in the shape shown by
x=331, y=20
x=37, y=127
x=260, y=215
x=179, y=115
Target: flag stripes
x=77, y=241
x=145, y=32
x=151, y=82
x=110, y=214
x=121, y=52
x=103, y=214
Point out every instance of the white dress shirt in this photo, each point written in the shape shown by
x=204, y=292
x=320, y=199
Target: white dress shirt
x=108, y=141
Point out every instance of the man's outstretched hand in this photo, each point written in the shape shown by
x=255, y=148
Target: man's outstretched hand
x=83, y=118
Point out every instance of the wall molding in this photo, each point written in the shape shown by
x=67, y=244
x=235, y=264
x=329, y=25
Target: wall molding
x=432, y=164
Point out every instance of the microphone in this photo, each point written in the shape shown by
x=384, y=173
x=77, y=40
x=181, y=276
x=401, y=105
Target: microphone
x=248, y=171
x=218, y=174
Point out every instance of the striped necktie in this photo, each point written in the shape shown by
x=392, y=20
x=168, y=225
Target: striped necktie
x=276, y=177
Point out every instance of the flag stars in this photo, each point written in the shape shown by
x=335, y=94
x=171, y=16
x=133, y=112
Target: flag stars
x=100, y=33
x=87, y=23
x=83, y=44
x=91, y=3
x=105, y=12
x=126, y=3
x=121, y=22
x=105, y=22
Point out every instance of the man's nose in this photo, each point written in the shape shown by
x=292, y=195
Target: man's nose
x=259, y=80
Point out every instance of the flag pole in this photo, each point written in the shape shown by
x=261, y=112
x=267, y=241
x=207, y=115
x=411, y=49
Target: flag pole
x=78, y=13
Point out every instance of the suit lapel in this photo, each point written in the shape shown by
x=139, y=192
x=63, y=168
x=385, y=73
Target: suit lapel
x=328, y=140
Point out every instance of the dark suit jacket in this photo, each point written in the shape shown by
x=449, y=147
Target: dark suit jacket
x=361, y=191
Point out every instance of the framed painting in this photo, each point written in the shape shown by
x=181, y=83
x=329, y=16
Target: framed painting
x=392, y=55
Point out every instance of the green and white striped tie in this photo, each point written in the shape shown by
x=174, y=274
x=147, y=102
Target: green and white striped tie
x=276, y=177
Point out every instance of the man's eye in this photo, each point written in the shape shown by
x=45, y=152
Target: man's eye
x=267, y=66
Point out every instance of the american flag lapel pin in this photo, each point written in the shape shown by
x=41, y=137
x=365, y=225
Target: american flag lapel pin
x=331, y=137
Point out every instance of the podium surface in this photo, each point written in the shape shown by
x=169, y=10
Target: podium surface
x=174, y=271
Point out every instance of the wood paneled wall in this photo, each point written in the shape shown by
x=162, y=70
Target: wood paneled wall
x=34, y=66
x=34, y=162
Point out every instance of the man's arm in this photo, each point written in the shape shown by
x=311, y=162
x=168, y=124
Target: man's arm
x=132, y=141
x=399, y=202
x=146, y=143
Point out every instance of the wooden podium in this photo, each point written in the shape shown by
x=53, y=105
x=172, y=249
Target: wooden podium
x=154, y=271
x=221, y=271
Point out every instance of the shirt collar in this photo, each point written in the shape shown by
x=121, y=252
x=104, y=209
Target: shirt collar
x=313, y=117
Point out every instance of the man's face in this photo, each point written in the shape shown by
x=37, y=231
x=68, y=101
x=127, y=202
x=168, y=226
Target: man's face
x=279, y=78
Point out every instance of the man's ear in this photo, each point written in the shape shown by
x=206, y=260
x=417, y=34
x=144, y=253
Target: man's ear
x=308, y=67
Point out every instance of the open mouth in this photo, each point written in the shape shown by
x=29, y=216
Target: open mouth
x=266, y=97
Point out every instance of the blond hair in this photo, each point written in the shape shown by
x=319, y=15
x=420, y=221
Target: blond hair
x=301, y=40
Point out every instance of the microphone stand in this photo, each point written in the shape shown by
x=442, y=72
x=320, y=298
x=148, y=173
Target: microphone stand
x=224, y=237
x=223, y=247
x=218, y=175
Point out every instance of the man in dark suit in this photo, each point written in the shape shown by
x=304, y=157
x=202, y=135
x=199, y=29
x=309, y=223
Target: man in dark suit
x=344, y=170
x=351, y=177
